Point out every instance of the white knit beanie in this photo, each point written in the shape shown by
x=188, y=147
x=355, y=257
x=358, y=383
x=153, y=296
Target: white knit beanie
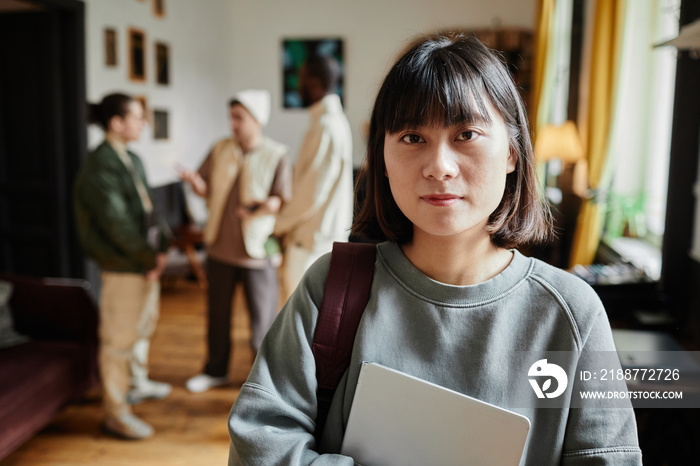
x=257, y=102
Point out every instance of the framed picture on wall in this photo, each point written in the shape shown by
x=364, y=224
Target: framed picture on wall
x=162, y=54
x=295, y=52
x=160, y=124
x=110, y=38
x=137, y=55
x=159, y=8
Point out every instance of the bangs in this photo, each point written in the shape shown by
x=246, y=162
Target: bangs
x=441, y=90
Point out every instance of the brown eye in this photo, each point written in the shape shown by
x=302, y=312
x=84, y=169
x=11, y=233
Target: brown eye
x=412, y=138
x=466, y=136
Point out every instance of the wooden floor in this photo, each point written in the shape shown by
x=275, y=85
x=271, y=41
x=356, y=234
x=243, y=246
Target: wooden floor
x=190, y=428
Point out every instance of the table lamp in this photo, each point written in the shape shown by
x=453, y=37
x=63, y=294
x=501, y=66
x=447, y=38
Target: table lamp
x=560, y=144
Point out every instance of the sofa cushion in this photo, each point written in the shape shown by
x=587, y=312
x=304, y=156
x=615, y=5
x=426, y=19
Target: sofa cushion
x=38, y=379
x=8, y=334
x=52, y=309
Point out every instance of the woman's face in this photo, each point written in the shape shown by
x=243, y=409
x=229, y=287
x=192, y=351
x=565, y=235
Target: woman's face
x=448, y=181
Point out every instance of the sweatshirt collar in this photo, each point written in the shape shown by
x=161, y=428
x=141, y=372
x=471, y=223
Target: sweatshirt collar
x=431, y=290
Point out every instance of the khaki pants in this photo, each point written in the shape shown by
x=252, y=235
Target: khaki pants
x=129, y=307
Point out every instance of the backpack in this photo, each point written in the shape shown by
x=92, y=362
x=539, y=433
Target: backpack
x=345, y=296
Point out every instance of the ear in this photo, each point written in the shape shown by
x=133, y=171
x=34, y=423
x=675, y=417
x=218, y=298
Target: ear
x=116, y=124
x=512, y=160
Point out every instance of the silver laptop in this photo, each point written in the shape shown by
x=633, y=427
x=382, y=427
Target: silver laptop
x=397, y=419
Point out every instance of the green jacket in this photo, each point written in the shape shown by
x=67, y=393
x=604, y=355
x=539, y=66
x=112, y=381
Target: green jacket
x=111, y=221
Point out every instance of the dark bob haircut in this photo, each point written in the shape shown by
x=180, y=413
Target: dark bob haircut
x=444, y=80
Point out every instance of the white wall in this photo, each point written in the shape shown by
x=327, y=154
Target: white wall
x=199, y=34
x=374, y=31
x=218, y=47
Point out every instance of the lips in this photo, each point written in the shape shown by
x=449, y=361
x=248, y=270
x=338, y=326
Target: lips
x=441, y=200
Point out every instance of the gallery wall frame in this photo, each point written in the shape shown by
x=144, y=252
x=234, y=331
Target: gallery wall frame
x=160, y=124
x=159, y=8
x=110, y=43
x=162, y=58
x=295, y=51
x=137, y=54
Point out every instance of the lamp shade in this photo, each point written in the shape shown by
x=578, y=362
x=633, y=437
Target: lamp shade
x=558, y=142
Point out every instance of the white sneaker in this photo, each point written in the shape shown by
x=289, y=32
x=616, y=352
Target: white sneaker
x=148, y=389
x=127, y=426
x=203, y=382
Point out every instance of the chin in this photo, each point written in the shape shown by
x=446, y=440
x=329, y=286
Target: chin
x=448, y=230
x=441, y=231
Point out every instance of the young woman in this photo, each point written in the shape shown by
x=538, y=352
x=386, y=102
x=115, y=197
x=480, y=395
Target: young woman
x=119, y=230
x=451, y=190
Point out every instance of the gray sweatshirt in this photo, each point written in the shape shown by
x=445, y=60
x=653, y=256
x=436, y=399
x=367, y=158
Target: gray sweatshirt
x=477, y=340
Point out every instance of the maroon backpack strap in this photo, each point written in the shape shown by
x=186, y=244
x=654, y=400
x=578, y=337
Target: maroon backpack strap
x=345, y=297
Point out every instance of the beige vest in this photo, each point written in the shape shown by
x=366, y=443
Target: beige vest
x=257, y=172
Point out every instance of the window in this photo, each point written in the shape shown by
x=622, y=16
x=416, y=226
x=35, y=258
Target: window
x=637, y=170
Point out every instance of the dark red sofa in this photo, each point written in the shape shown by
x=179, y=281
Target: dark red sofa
x=57, y=366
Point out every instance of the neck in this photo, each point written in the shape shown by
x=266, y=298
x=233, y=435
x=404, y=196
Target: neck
x=113, y=137
x=319, y=96
x=456, y=261
x=250, y=143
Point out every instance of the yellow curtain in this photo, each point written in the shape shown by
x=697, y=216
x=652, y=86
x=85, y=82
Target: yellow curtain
x=540, y=101
x=604, y=71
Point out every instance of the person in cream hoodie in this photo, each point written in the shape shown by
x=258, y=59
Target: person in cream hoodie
x=321, y=208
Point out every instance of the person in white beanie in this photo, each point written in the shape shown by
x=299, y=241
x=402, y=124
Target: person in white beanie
x=245, y=179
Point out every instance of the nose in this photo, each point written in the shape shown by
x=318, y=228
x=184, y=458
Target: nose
x=440, y=163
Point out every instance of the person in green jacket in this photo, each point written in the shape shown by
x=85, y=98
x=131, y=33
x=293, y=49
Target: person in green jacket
x=118, y=228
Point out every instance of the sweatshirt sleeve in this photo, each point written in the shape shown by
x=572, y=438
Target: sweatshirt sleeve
x=273, y=418
x=598, y=434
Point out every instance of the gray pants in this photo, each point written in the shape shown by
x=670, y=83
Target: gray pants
x=260, y=287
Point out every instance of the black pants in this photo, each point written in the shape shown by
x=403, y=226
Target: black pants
x=260, y=287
